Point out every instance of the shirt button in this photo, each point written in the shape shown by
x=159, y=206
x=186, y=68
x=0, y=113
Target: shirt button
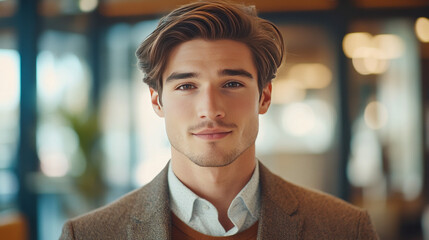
x=206, y=207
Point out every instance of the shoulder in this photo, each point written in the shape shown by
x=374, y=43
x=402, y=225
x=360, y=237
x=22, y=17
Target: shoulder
x=106, y=221
x=113, y=220
x=324, y=206
x=286, y=193
x=328, y=215
x=320, y=212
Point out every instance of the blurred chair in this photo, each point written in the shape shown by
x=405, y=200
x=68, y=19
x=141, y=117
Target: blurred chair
x=13, y=226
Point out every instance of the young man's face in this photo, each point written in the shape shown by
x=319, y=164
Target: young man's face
x=210, y=101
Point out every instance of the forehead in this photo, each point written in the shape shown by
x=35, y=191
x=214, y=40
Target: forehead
x=215, y=54
x=220, y=46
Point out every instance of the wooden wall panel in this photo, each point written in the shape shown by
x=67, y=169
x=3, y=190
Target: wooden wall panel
x=390, y=3
x=150, y=7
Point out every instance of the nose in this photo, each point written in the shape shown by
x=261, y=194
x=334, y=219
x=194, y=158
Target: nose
x=210, y=104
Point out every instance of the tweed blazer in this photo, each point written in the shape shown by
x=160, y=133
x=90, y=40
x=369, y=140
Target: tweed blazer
x=287, y=212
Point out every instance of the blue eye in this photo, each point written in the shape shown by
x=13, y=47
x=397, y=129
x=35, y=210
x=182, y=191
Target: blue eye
x=186, y=86
x=233, y=85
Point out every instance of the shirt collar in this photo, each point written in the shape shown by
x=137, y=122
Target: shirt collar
x=182, y=199
x=250, y=193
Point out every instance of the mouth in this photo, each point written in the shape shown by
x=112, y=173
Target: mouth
x=212, y=134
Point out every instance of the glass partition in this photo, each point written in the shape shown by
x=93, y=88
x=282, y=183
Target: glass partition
x=298, y=136
x=9, y=120
x=386, y=160
x=69, y=181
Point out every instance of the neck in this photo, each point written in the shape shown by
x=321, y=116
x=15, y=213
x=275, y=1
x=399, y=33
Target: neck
x=218, y=185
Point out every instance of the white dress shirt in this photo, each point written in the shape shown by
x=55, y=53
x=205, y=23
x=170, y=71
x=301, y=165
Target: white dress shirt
x=202, y=216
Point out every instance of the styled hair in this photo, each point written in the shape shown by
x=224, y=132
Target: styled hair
x=212, y=20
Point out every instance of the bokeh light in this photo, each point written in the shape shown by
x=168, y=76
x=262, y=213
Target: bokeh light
x=364, y=167
x=56, y=144
x=376, y=115
x=422, y=29
x=371, y=54
x=369, y=61
x=286, y=91
x=88, y=5
x=311, y=75
x=62, y=82
x=9, y=79
x=54, y=164
x=390, y=45
x=298, y=119
x=353, y=41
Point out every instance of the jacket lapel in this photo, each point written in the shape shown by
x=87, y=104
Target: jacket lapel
x=279, y=207
x=150, y=217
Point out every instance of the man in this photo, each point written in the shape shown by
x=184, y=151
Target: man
x=209, y=66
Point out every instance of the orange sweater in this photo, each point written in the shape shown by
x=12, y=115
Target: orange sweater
x=184, y=232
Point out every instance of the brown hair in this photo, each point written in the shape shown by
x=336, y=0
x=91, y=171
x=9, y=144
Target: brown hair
x=212, y=20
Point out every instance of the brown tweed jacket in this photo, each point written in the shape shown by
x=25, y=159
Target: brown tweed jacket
x=287, y=212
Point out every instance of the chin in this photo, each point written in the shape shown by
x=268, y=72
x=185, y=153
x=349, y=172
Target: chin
x=214, y=160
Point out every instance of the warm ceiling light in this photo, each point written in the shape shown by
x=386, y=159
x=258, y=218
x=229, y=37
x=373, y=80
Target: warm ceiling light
x=311, y=75
x=391, y=45
x=287, y=90
x=353, y=41
x=370, y=61
x=371, y=54
x=422, y=29
x=88, y=5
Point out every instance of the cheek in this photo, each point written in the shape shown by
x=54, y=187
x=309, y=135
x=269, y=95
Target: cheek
x=176, y=119
x=175, y=110
x=245, y=106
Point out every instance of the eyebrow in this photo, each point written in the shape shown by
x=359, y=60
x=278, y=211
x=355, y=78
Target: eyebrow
x=223, y=72
x=179, y=76
x=235, y=72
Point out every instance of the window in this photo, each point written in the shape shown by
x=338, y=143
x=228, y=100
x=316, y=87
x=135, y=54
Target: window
x=66, y=132
x=9, y=121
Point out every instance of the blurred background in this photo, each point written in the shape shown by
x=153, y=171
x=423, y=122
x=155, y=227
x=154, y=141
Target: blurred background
x=350, y=112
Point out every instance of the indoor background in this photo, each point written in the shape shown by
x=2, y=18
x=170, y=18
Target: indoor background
x=350, y=111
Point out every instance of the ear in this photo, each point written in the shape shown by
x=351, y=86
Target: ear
x=265, y=100
x=154, y=98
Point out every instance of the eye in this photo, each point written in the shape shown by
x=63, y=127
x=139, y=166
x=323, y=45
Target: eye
x=233, y=85
x=185, y=86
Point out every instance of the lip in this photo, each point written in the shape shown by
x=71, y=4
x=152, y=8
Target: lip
x=212, y=134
